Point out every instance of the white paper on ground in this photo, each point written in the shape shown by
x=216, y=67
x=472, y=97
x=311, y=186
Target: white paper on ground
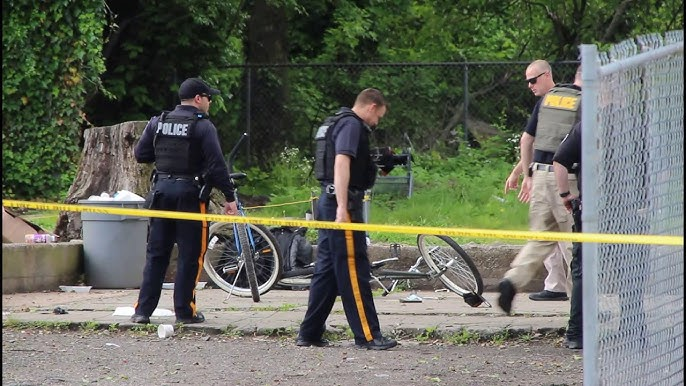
x=128, y=311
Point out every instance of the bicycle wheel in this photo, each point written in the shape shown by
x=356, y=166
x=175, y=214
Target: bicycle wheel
x=248, y=260
x=226, y=266
x=443, y=253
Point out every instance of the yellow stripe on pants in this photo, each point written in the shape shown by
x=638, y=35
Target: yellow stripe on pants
x=352, y=268
x=201, y=258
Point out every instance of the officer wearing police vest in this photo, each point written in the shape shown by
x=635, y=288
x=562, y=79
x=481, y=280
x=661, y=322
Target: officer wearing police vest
x=553, y=117
x=345, y=169
x=189, y=162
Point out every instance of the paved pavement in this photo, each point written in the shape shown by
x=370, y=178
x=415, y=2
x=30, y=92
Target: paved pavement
x=284, y=309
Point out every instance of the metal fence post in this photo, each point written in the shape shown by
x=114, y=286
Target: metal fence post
x=465, y=91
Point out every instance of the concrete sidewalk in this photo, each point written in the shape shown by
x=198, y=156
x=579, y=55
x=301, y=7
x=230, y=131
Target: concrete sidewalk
x=443, y=312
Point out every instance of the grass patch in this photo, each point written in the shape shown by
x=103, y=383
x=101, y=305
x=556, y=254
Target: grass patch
x=39, y=325
x=90, y=326
x=46, y=219
x=429, y=335
x=281, y=307
x=232, y=331
x=462, y=337
x=465, y=191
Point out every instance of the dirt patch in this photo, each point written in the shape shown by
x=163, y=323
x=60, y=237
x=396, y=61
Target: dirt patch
x=45, y=357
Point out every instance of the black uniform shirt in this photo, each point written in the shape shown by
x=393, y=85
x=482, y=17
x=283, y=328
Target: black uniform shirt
x=212, y=159
x=346, y=136
x=569, y=152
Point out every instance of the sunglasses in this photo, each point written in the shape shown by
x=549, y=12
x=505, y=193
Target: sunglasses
x=535, y=78
x=209, y=97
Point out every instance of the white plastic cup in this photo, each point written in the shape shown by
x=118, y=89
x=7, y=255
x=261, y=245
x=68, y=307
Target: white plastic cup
x=165, y=331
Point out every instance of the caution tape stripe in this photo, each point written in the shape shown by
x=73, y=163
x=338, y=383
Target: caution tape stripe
x=453, y=232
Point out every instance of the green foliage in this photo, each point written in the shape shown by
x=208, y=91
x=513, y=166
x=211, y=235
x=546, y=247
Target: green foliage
x=463, y=191
x=429, y=333
x=90, y=326
x=462, y=337
x=51, y=61
x=289, y=180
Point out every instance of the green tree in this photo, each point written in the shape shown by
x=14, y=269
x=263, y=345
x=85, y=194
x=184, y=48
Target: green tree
x=51, y=63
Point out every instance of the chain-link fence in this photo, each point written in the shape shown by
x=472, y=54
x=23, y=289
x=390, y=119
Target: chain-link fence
x=431, y=104
x=633, y=173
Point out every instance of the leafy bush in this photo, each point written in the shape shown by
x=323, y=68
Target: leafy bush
x=51, y=61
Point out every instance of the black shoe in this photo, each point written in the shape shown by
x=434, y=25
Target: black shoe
x=307, y=343
x=379, y=344
x=141, y=319
x=548, y=295
x=198, y=318
x=507, y=293
x=575, y=344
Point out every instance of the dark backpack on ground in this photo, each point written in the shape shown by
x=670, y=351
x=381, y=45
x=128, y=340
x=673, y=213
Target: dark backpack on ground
x=294, y=248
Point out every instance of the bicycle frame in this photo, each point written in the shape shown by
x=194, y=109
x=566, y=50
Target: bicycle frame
x=389, y=274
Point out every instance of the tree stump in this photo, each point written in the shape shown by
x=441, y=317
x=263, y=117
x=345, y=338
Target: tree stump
x=109, y=165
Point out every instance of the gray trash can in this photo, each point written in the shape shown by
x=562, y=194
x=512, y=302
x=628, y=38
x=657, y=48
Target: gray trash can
x=114, y=246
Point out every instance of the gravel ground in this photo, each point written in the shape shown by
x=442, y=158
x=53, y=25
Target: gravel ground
x=54, y=357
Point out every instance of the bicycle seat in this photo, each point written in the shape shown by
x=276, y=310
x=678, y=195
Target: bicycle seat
x=237, y=176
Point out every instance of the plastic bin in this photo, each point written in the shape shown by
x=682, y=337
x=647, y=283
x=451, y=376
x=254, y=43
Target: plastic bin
x=114, y=246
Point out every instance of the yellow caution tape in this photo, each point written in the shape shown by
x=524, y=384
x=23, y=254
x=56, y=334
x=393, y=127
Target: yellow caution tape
x=105, y=207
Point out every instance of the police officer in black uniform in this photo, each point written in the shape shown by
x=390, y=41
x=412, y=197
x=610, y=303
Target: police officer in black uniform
x=568, y=157
x=345, y=169
x=185, y=148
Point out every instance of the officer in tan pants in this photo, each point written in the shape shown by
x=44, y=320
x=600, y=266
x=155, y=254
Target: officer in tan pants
x=552, y=118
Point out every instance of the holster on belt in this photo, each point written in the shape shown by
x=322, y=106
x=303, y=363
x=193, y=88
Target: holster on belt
x=150, y=198
x=205, y=189
x=576, y=214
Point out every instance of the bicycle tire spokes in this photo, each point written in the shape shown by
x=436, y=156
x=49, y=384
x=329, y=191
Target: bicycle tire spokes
x=224, y=264
x=456, y=269
x=448, y=260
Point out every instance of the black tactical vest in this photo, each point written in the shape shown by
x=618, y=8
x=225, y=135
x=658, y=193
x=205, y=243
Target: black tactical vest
x=362, y=168
x=176, y=151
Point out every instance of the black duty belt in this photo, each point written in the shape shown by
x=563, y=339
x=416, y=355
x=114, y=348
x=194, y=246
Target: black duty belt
x=176, y=176
x=331, y=189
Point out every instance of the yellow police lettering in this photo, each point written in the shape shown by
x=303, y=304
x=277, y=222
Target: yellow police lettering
x=561, y=102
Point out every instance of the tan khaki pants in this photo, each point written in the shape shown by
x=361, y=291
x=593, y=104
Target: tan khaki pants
x=546, y=214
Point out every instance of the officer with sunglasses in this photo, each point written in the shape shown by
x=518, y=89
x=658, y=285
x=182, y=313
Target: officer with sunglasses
x=552, y=118
x=188, y=159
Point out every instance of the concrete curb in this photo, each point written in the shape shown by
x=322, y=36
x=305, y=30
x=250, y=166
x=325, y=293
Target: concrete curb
x=280, y=313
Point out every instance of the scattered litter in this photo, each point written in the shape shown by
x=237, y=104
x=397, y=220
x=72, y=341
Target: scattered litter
x=122, y=195
x=82, y=289
x=112, y=344
x=165, y=331
x=498, y=198
x=413, y=298
x=59, y=311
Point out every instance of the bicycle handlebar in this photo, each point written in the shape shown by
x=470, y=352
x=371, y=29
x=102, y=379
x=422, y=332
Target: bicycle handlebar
x=232, y=154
